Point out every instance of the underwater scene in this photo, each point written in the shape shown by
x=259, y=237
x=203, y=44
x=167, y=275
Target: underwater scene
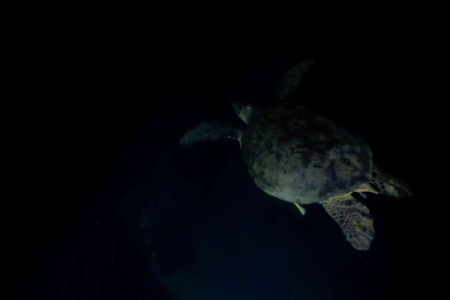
x=222, y=175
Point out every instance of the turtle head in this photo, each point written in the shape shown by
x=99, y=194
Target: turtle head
x=245, y=112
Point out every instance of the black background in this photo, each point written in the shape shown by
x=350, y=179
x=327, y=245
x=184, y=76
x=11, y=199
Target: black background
x=97, y=107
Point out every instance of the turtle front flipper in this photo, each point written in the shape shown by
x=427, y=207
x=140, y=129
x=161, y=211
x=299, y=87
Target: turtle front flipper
x=288, y=84
x=209, y=131
x=354, y=218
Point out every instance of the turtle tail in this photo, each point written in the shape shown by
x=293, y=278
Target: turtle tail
x=389, y=185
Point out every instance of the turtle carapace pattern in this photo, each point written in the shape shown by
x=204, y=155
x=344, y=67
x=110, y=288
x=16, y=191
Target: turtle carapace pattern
x=296, y=155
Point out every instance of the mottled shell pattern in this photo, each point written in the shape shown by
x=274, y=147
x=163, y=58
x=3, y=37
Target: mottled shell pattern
x=296, y=155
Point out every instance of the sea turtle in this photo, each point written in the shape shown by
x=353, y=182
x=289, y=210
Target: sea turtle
x=294, y=154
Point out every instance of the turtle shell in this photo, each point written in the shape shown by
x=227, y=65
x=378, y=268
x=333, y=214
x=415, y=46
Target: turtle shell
x=296, y=155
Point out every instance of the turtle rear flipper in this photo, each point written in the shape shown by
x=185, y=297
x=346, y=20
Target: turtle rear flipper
x=388, y=185
x=353, y=217
x=209, y=131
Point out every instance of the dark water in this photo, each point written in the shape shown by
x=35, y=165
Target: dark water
x=113, y=208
